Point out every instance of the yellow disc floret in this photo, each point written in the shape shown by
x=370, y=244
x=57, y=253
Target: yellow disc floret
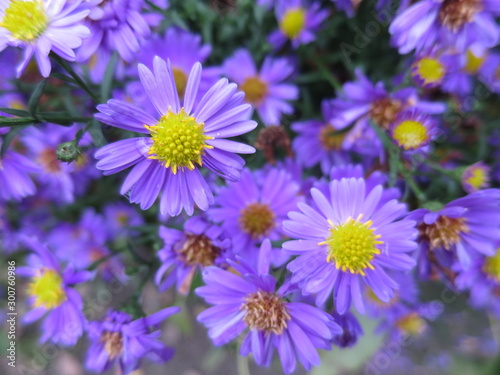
x=178, y=141
x=492, y=266
x=410, y=134
x=257, y=219
x=47, y=288
x=352, y=245
x=293, y=22
x=180, y=78
x=255, y=90
x=429, y=70
x=26, y=20
x=473, y=62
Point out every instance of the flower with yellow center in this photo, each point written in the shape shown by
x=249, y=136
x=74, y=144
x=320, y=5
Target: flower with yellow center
x=429, y=70
x=257, y=219
x=255, y=90
x=476, y=177
x=178, y=141
x=491, y=266
x=47, y=289
x=473, y=63
x=330, y=138
x=411, y=324
x=410, y=133
x=352, y=245
x=293, y=22
x=26, y=20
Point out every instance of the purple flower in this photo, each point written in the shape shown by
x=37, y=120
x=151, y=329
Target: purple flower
x=250, y=302
x=40, y=27
x=464, y=227
x=51, y=295
x=351, y=330
x=298, y=21
x=183, y=49
x=180, y=137
x=267, y=90
x=348, y=239
x=199, y=245
x=115, y=25
x=412, y=130
x=118, y=338
x=429, y=70
x=476, y=177
x=15, y=180
x=254, y=208
x=447, y=24
x=119, y=217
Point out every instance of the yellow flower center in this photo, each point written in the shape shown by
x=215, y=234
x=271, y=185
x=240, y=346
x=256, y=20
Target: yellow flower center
x=255, y=90
x=473, y=62
x=256, y=219
x=428, y=69
x=352, y=245
x=265, y=312
x=492, y=266
x=178, y=141
x=410, y=134
x=180, y=79
x=26, y=20
x=293, y=22
x=330, y=139
x=47, y=288
x=412, y=324
x=476, y=177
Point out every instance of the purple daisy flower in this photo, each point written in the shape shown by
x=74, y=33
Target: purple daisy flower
x=51, y=294
x=476, y=177
x=456, y=24
x=116, y=25
x=180, y=137
x=464, y=227
x=254, y=208
x=412, y=130
x=347, y=239
x=183, y=49
x=266, y=90
x=199, y=245
x=15, y=170
x=40, y=27
x=119, y=338
x=119, y=218
x=429, y=70
x=298, y=21
x=482, y=279
x=251, y=301
x=351, y=330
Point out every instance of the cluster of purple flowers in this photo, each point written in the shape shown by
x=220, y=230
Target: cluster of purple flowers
x=152, y=155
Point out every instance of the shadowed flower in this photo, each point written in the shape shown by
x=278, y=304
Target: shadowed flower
x=181, y=137
x=347, y=239
x=118, y=338
x=266, y=90
x=248, y=303
x=51, y=295
x=42, y=26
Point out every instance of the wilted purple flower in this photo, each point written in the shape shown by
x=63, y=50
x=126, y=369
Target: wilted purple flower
x=119, y=338
x=250, y=301
x=447, y=24
x=348, y=239
x=182, y=137
x=199, y=245
x=351, y=330
x=42, y=26
x=51, y=295
x=298, y=21
x=464, y=227
x=266, y=90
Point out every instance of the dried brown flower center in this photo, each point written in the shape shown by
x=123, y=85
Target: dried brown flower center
x=330, y=138
x=112, y=343
x=384, y=111
x=48, y=160
x=444, y=233
x=454, y=14
x=265, y=312
x=256, y=219
x=198, y=250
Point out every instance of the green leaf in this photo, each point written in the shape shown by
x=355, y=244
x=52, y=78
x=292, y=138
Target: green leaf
x=61, y=118
x=95, y=132
x=16, y=121
x=63, y=77
x=35, y=97
x=15, y=112
x=108, y=78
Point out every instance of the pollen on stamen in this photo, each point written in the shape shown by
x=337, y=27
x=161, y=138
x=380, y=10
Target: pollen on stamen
x=265, y=312
x=47, y=289
x=429, y=71
x=410, y=134
x=178, y=141
x=26, y=20
x=293, y=22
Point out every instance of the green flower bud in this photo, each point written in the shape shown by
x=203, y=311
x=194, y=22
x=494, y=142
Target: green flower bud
x=68, y=151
